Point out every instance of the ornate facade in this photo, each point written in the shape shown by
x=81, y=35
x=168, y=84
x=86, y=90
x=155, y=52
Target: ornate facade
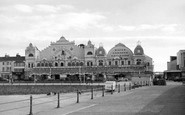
x=63, y=59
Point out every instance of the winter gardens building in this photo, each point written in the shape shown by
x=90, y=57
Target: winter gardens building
x=65, y=60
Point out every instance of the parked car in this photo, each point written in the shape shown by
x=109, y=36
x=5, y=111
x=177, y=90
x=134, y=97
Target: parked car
x=110, y=85
x=157, y=81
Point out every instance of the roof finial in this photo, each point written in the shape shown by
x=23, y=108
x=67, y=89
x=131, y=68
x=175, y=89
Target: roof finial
x=138, y=42
x=101, y=44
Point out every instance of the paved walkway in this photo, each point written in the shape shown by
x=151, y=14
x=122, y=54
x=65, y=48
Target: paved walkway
x=154, y=100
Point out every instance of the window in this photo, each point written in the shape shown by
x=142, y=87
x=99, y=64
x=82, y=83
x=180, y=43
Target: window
x=56, y=64
x=30, y=55
x=38, y=64
x=89, y=53
x=73, y=63
x=122, y=62
x=77, y=64
x=3, y=63
x=46, y=64
x=61, y=64
x=116, y=62
x=42, y=64
x=138, y=62
x=81, y=63
x=69, y=64
x=109, y=62
x=100, y=62
x=3, y=69
x=29, y=65
x=32, y=65
x=89, y=63
x=128, y=62
x=7, y=69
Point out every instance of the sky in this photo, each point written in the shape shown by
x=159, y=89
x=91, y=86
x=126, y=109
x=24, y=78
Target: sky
x=158, y=24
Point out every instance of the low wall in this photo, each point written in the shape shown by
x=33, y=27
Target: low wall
x=42, y=89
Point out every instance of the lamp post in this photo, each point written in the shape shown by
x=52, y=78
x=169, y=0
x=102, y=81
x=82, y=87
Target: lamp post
x=50, y=65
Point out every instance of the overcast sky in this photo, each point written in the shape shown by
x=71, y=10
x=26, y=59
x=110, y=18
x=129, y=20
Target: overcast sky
x=158, y=24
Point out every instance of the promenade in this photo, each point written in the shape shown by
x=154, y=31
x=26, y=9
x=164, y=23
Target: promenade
x=153, y=100
x=147, y=100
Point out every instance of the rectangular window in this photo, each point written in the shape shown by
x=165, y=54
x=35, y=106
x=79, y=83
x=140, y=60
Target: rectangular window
x=3, y=69
x=122, y=62
x=3, y=63
x=128, y=62
x=109, y=62
x=7, y=69
x=116, y=62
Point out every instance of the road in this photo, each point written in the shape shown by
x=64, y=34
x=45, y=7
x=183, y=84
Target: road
x=153, y=100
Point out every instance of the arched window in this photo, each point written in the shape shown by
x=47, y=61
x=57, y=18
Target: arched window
x=77, y=64
x=61, y=64
x=50, y=64
x=30, y=55
x=81, y=63
x=138, y=62
x=46, y=64
x=89, y=53
x=100, y=62
x=109, y=62
x=38, y=64
x=42, y=64
x=69, y=64
x=56, y=64
x=73, y=64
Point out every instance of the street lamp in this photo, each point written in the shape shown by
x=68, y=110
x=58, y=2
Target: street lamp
x=50, y=65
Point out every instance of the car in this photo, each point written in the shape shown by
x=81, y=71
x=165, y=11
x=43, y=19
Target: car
x=110, y=85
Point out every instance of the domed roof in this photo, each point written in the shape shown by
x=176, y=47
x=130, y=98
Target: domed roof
x=120, y=44
x=100, y=51
x=120, y=51
x=138, y=50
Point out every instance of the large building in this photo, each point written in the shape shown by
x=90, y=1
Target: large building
x=64, y=59
x=12, y=67
x=176, y=66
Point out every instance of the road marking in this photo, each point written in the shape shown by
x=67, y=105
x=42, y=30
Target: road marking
x=80, y=109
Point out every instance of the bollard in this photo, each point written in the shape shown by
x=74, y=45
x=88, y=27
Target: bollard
x=130, y=86
x=91, y=93
x=111, y=89
x=31, y=113
x=58, y=106
x=103, y=91
x=125, y=87
x=118, y=88
x=77, y=97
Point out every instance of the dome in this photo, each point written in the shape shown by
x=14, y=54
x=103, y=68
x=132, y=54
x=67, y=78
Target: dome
x=138, y=50
x=120, y=51
x=100, y=51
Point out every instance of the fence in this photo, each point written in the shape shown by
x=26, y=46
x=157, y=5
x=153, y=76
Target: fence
x=57, y=98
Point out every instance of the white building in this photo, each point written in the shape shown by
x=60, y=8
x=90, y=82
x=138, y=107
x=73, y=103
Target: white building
x=64, y=58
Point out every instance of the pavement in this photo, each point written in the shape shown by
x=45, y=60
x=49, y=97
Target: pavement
x=153, y=100
x=147, y=100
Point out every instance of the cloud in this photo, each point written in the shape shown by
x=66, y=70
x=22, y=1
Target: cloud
x=127, y=28
x=23, y=8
